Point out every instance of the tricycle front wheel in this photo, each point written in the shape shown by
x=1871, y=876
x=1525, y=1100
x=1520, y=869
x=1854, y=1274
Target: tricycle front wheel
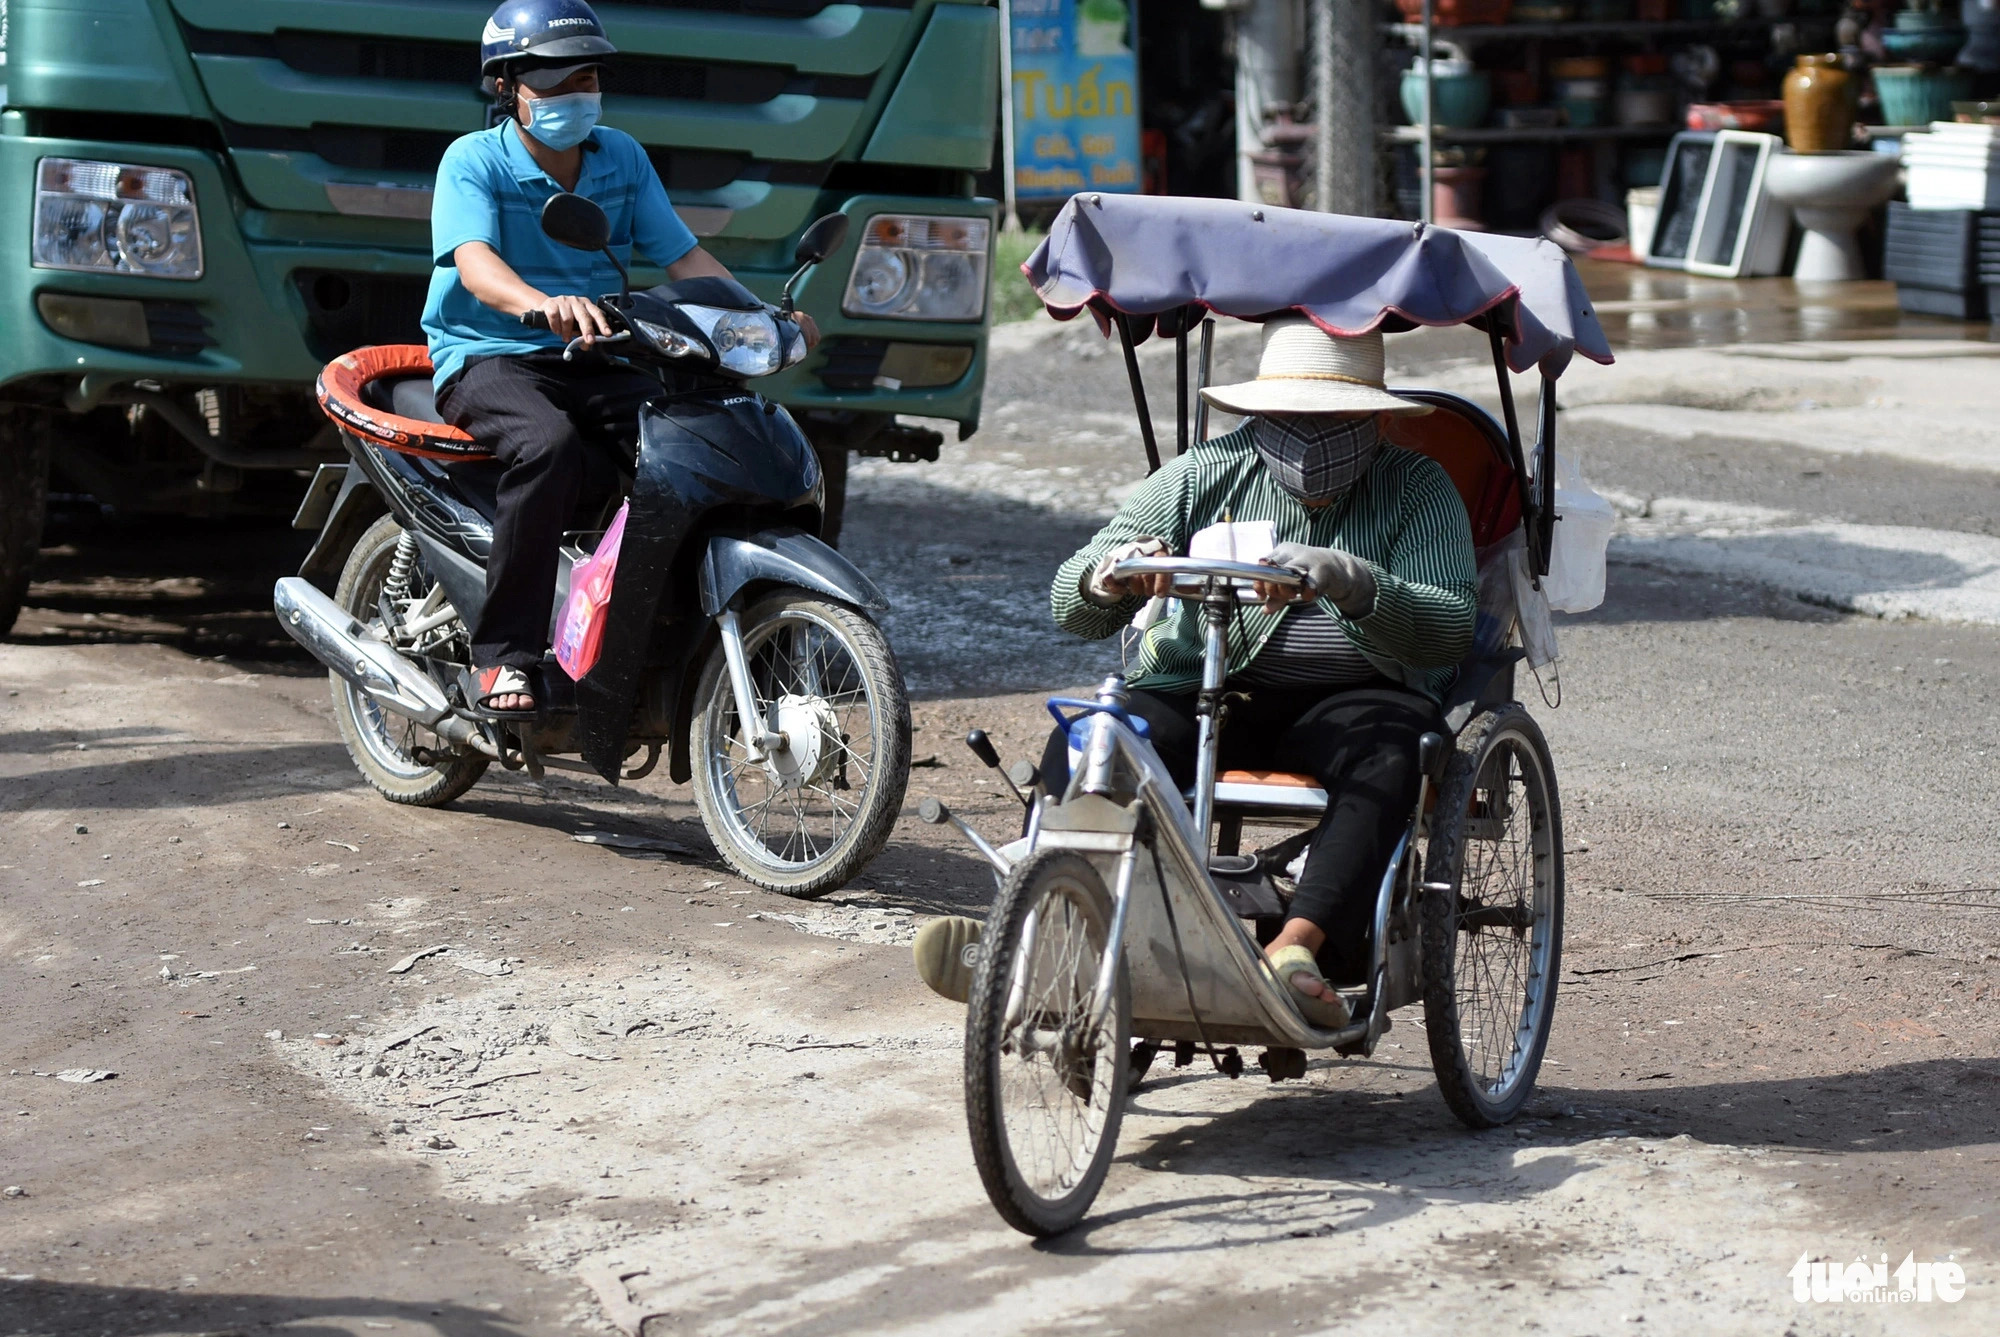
x=1045, y=1082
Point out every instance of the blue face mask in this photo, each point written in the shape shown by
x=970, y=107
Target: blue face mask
x=566, y=121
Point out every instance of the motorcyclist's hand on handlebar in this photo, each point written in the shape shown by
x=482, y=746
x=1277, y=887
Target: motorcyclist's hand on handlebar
x=574, y=317
x=1333, y=574
x=1102, y=588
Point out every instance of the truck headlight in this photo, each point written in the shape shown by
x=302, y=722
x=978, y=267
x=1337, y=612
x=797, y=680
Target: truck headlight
x=912, y=267
x=116, y=218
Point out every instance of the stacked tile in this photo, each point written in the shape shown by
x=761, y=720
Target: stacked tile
x=1988, y=257
x=1955, y=166
x=1931, y=255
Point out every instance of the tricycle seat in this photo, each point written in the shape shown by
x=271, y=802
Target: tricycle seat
x=1270, y=793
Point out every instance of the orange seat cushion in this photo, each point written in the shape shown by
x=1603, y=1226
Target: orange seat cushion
x=1277, y=779
x=340, y=397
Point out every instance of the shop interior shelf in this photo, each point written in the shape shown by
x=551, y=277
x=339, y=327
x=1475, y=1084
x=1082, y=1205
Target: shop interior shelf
x=1634, y=28
x=1410, y=134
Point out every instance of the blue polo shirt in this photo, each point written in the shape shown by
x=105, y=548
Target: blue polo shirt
x=489, y=189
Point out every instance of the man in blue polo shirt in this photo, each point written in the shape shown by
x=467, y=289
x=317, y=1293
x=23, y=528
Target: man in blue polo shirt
x=505, y=382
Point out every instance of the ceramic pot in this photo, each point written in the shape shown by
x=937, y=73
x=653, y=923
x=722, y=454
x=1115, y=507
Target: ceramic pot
x=1819, y=105
x=1923, y=45
x=1452, y=13
x=1458, y=100
x=1455, y=197
x=1914, y=95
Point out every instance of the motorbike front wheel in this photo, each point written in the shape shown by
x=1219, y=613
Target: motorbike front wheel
x=804, y=817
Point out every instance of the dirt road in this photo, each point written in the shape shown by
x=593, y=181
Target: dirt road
x=634, y=1090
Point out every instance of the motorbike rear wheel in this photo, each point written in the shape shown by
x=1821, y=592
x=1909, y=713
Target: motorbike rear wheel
x=805, y=820
x=384, y=745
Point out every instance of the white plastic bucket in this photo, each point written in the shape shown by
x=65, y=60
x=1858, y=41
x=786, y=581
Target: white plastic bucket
x=1575, y=583
x=1642, y=211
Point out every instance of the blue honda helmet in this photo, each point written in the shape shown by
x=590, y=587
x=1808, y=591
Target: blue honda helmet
x=541, y=33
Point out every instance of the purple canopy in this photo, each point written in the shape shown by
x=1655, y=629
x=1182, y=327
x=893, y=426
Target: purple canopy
x=1150, y=255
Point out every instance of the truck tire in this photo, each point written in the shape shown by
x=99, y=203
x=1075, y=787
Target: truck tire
x=24, y=492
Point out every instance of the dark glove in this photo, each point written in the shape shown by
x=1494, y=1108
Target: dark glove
x=1341, y=577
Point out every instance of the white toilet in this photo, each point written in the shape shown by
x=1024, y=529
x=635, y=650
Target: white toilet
x=1831, y=193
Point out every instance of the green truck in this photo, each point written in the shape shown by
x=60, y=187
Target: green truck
x=210, y=199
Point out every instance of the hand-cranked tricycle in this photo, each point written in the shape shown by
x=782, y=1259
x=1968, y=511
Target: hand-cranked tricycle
x=1127, y=919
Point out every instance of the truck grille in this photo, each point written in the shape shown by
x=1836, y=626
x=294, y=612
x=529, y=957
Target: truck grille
x=177, y=327
x=744, y=130
x=786, y=9
x=368, y=148
x=347, y=310
x=457, y=63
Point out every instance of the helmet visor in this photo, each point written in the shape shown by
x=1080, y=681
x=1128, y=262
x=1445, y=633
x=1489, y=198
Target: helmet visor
x=547, y=77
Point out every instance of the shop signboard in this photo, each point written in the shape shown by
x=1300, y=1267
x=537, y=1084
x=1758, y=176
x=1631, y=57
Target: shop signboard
x=1076, y=103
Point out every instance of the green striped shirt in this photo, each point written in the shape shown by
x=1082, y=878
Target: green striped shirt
x=1404, y=518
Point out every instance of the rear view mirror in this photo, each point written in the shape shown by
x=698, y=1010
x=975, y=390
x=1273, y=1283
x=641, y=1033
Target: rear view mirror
x=822, y=239
x=576, y=222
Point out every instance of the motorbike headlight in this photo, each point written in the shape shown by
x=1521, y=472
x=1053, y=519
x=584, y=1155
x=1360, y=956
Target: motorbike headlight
x=116, y=218
x=746, y=342
x=912, y=267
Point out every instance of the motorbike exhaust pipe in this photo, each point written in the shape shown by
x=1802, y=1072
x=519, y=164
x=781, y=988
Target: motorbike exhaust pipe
x=348, y=648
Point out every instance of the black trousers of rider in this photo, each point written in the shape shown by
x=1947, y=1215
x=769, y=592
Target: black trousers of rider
x=553, y=425
x=1359, y=743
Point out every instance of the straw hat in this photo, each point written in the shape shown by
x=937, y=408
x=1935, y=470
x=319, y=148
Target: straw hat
x=1306, y=370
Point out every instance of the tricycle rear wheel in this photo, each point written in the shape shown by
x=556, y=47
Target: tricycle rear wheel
x=1044, y=1086
x=1492, y=939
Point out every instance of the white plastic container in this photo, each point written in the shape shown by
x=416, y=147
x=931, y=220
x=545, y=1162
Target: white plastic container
x=1642, y=211
x=1575, y=583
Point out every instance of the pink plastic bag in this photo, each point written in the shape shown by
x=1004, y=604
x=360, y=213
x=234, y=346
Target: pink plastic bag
x=580, y=630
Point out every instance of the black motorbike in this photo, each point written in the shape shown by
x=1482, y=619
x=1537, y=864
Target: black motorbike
x=735, y=640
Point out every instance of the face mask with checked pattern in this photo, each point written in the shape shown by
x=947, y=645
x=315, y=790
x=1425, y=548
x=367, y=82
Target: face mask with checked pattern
x=1316, y=456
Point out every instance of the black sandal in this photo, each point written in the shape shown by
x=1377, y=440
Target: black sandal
x=503, y=680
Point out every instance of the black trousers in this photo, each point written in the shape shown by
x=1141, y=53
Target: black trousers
x=555, y=426
x=1359, y=743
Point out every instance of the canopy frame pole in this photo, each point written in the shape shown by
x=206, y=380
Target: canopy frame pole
x=1181, y=387
x=1545, y=474
x=1531, y=506
x=1201, y=379
x=1427, y=178
x=1139, y=393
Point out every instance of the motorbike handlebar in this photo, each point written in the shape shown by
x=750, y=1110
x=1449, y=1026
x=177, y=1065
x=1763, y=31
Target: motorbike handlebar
x=569, y=349
x=536, y=319
x=1194, y=575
